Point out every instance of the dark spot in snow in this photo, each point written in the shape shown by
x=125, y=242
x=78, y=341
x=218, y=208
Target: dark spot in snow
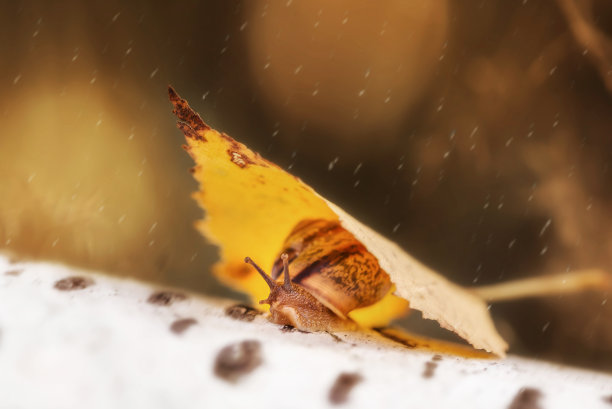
x=430, y=369
x=340, y=390
x=165, y=298
x=73, y=283
x=237, y=360
x=335, y=337
x=608, y=399
x=526, y=398
x=242, y=312
x=15, y=272
x=180, y=326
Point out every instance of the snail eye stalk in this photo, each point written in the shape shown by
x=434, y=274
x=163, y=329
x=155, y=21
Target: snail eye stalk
x=271, y=283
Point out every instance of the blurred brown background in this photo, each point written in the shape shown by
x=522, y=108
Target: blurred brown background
x=478, y=135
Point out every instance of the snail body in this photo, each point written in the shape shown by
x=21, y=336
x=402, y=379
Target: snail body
x=327, y=273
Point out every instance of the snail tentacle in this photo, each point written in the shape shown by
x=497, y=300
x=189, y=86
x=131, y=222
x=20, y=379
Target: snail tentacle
x=271, y=283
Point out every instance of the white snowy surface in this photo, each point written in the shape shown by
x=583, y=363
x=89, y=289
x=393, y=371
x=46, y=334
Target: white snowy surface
x=106, y=346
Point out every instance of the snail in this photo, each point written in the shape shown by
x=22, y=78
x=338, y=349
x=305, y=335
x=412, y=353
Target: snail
x=327, y=273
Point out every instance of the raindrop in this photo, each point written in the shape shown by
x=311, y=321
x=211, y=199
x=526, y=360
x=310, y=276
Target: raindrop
x=333, y=163
x=243, y=26
x=509, y=141
x=367, y=73
x=315, y=92
x=544, y=250
x=512, y=243
x=16, y=79
x=396, y=227
x=153, y=73
x=204, y=95
x=115, y=17
x=387, y=100
x=153, y=226
x=545, y=326
x=151, y=243
x=266, y=65
x=552, y=70
x=298, y=69
x=344, y=20
x=128, y=51
x=31, y=177
x=121, y=219
x=55, y=242
x=474, y=131
x=446, y=154
x=545, y=227
x=356, y=183
x=361, y=93
x=359, y=165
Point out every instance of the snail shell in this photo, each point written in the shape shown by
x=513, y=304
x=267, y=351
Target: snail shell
x=333, y=266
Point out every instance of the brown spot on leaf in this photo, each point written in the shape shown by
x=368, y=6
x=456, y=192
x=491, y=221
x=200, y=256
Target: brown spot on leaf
x=242, y=312
x=184, y=112
x=165, y=297
x=180, y=326
x=73, y=283
x=237, y=360
x=345, y=382
x=238, y=271
x=405, y=342
x=526, y=398
x=14, y=272
x=189, y=132
x=239, y=159
x=229, y=138
x=430, y=369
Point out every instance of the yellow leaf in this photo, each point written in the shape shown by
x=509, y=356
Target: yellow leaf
x=252, y=205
